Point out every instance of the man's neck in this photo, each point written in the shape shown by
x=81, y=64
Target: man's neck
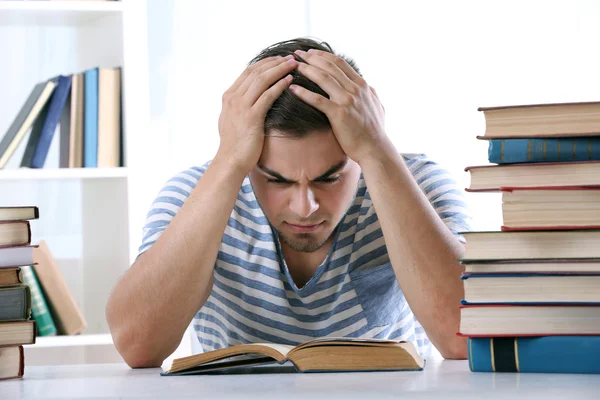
x=302, y=265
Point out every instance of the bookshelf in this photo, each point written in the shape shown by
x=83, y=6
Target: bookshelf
x=90, y=218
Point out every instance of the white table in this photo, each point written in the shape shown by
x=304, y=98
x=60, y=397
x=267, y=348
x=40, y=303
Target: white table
x=439, y=380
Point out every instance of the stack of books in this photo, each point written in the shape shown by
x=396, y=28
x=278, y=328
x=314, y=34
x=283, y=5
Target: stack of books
x=532, y=289
x=84, y=107
x=16, y=327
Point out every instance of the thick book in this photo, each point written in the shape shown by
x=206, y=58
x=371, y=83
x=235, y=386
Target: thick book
x=548, y=208
x=529, y=320
x=64, y=310
x=528, y=175
x=57, y=103
x=519, y=245
x=545, y=354
x=90, y=118
x=507, y=151
x=109, y=112
x=531, y=288
x=39, y=308
x=12, y=363
x=558, y=265
x=16, y=233
x=320, y=355
x=542, y=120
x=19, y=213
x=16, y=256
x=11, y=276
x=15, y=333
x=24, y=119
x=15, y=303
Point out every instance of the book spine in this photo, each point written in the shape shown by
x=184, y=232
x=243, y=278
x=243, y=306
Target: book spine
x=90, y=118
x=509, y=151
x=547, y=354
x=57, y=103
x=39, y=307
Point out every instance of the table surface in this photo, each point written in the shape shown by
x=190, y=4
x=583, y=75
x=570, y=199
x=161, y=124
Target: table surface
x=441, y=379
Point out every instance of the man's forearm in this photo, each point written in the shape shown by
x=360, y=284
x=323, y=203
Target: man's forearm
x=154, y=302
x=422, y=249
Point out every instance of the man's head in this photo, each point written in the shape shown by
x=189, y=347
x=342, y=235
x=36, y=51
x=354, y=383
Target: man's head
x=304, y=181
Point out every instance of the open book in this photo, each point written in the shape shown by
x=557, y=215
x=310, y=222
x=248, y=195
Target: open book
x=320, y=355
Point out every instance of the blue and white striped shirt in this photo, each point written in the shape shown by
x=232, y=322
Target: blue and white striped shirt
x=354, y=292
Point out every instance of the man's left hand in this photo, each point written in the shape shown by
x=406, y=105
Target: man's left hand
x=353, y=108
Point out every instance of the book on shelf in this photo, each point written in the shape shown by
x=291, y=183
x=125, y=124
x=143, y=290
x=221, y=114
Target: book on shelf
x=25, y=118
x=565, y=265
x=64, y=310
x=513, y=151
x=528, y=175
x=71, y=126
x=59, y=97
x=550, y=288
x=19, y=213
x=546, y=354
x=39, y=308
x=320, y=355
x=11, y=276
x=491, y=320
x=551, y=244
x=542, y=120
x=12, y=364
x=85, y=107
x=14, y=233
x=16, y=256
x=90, y=118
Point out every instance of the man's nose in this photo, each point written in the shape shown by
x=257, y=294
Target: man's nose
x=303, y=202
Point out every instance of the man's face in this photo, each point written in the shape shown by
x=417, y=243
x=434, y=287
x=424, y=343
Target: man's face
x=304, y=186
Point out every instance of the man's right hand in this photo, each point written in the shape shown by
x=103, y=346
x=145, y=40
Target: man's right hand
x=245, y=106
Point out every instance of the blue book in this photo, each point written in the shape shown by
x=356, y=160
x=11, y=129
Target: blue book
x=90, y=118
x=55, y=107
x=545, y=354
x=507, y=151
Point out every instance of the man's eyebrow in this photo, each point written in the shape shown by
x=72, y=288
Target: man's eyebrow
x=321, y=177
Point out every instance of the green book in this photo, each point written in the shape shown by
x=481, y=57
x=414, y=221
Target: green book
x=39, y=308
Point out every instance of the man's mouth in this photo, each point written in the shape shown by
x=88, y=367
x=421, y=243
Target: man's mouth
x=304, y=228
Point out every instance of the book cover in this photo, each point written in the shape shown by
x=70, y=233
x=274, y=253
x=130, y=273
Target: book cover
x=109, y=111
x=16, y=256
x=24, y=119
x=57, y=103
x=14, y=233
x=64, y=310
x=20, y=213
x=506, y=151
x=90, y=118
x=546, y=354
x=39, y=308
x=11, y=276
x=34, y=136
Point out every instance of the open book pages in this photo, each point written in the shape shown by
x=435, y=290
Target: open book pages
x=326, y=354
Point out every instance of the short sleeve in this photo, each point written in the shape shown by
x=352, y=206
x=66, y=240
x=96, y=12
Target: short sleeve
x=442, y=191
x=167, y=204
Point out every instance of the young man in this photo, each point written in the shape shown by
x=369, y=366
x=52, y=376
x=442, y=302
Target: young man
x=307, y=223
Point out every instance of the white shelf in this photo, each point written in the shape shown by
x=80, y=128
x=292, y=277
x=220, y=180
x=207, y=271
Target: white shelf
x=22, y=174
x=101, y=339
x=56, y=12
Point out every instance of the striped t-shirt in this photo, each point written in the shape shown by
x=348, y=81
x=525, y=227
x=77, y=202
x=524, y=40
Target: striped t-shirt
x=354, y=292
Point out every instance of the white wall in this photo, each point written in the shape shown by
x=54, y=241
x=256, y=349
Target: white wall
x=432, y=62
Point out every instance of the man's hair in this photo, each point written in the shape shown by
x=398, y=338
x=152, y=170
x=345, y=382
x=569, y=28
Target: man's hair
x=290, y=115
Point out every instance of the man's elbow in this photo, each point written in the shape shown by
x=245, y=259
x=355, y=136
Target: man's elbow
x=134, y=352
x=454, y=349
